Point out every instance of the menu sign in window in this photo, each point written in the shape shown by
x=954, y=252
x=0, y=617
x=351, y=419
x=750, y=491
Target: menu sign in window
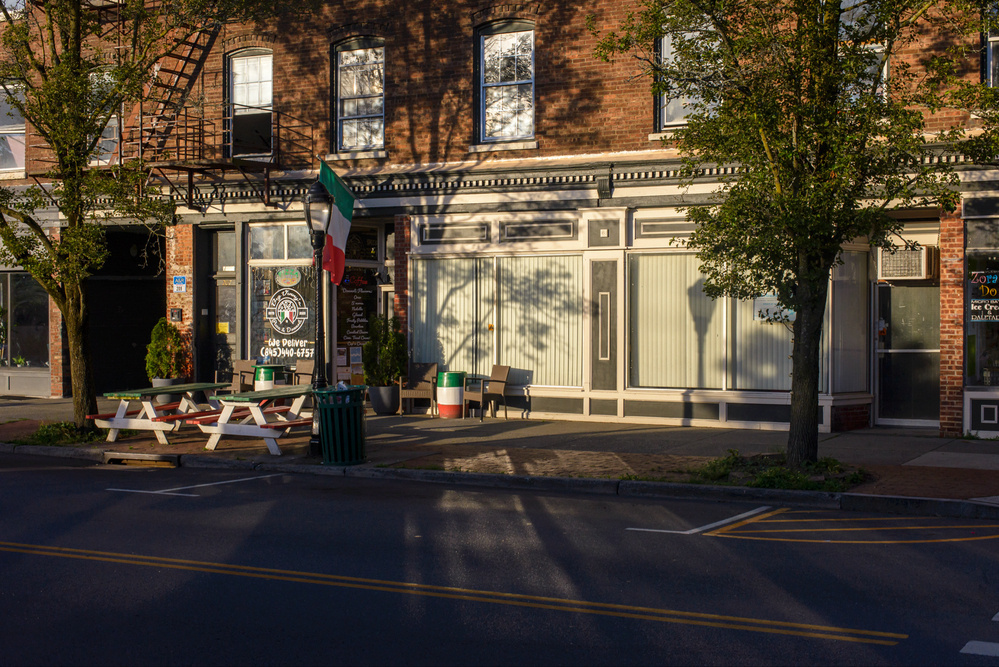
x=357, y=301
x=983, y=295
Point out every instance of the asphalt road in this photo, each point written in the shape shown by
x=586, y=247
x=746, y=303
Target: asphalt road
x=116, y=565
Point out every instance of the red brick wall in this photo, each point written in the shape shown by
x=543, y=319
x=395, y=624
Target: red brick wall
x=850, y=417
x=400, y=281
x=60, y=380
x=582, y=105
x=951, y=323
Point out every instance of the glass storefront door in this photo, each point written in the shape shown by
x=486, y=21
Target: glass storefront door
x=908, y=354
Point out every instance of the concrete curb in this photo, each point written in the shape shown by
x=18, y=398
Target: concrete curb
x=958, y=509
x=301, y=468
x=496, y=481
x=86, y=453
x=820, y=499
x=121, y=457
x=850, y=502
x=214, y=462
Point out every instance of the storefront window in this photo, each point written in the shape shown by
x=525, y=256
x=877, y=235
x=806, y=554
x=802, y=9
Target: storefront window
x=25, y=321
x=676, y=330
x=982, y=290
x=362, y=243
x=282, y=294
x=282, y=321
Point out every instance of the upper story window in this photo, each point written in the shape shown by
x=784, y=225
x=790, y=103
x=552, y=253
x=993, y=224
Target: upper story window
x=11, y=133
x=360, y=95
x=102, y=89
x=672, y=110
x=858, y=26
x=251, y=87
x=992, y=58
x=506, y=81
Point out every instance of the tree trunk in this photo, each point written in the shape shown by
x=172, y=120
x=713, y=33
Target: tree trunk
x=803, y=438
x=81, y=373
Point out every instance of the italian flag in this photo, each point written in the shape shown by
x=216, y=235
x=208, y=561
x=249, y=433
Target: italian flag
x=339, y=227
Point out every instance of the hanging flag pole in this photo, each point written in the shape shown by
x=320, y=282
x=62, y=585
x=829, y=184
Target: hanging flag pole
x=334, y=251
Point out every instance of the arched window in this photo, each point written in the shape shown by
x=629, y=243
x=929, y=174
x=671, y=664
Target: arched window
x=250, y=91
x=359, y=94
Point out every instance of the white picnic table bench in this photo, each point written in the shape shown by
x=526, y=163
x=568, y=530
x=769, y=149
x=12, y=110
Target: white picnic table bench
x=253, y=414
x=161, y=419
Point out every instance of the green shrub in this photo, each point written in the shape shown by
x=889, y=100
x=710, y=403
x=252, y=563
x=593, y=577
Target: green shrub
x=166, y=354
x=718, y=469
x=60, y=433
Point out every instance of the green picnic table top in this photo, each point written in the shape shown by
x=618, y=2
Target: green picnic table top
x=279, y=391
x=136, y=394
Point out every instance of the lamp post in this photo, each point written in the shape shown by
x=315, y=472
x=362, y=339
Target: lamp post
x=318, y=209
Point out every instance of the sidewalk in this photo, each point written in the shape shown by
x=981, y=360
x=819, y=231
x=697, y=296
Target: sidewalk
x=906, y=463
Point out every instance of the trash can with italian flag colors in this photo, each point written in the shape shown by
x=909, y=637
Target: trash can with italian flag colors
x=265, y=376
x=450, y=394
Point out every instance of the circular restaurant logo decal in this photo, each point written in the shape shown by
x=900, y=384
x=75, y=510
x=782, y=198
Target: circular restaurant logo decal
x=286, y=311
x=288, y=276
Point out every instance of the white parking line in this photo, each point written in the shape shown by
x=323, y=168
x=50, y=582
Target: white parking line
x=716, y=524
x=996, y=617
x=990, y=649
x=172, y=492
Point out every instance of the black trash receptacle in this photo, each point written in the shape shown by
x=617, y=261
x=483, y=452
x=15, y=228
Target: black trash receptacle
x=341, y=424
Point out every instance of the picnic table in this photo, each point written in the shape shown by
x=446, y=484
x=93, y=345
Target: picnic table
x=160, y=419
x=254, y=414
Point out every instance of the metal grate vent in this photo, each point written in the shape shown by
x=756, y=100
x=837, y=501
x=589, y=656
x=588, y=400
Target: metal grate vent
x=906, y=264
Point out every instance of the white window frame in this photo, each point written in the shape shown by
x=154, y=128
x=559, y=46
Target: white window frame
x=991, y=51
x=524, y=116
x=664, y=122
x=10, y=128
x=360, y=96
x=106, y=150
x=262, y=84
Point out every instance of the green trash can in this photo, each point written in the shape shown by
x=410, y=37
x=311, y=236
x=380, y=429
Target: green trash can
x=341, y=424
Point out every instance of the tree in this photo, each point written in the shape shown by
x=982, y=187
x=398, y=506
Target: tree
x=813, y=104
x=70, y=67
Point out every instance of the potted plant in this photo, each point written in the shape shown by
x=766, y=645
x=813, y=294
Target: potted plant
x=385, y=358
x=166, y=357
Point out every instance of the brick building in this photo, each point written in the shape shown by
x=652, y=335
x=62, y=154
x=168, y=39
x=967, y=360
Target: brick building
x=517, y=205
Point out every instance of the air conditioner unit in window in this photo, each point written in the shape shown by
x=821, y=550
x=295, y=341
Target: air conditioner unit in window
x=919, y=264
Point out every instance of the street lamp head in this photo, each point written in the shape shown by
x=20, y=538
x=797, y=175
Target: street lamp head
x=318, y=207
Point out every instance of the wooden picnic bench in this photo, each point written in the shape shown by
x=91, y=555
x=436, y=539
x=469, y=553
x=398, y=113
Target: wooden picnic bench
x=251, y=414
x=160, y=419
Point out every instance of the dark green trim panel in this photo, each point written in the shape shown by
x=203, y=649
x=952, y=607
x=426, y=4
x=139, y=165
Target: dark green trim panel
x=568, y=406
x=673, y=410
x=603, y=406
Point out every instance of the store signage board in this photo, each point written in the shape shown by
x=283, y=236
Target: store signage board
x=984, y=310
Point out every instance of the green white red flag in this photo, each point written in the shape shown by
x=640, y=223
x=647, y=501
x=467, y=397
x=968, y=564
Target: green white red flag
x=339, y=226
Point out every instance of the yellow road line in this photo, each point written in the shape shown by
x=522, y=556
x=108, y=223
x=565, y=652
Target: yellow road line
x=492, y=597
x=875, y=518
x=752, y=519
x=831, y=541
x=864, y=528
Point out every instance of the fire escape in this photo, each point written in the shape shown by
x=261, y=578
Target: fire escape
x=184, y=141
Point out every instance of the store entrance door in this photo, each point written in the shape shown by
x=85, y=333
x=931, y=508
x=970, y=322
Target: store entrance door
x=908, y=354
x=217, y=304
